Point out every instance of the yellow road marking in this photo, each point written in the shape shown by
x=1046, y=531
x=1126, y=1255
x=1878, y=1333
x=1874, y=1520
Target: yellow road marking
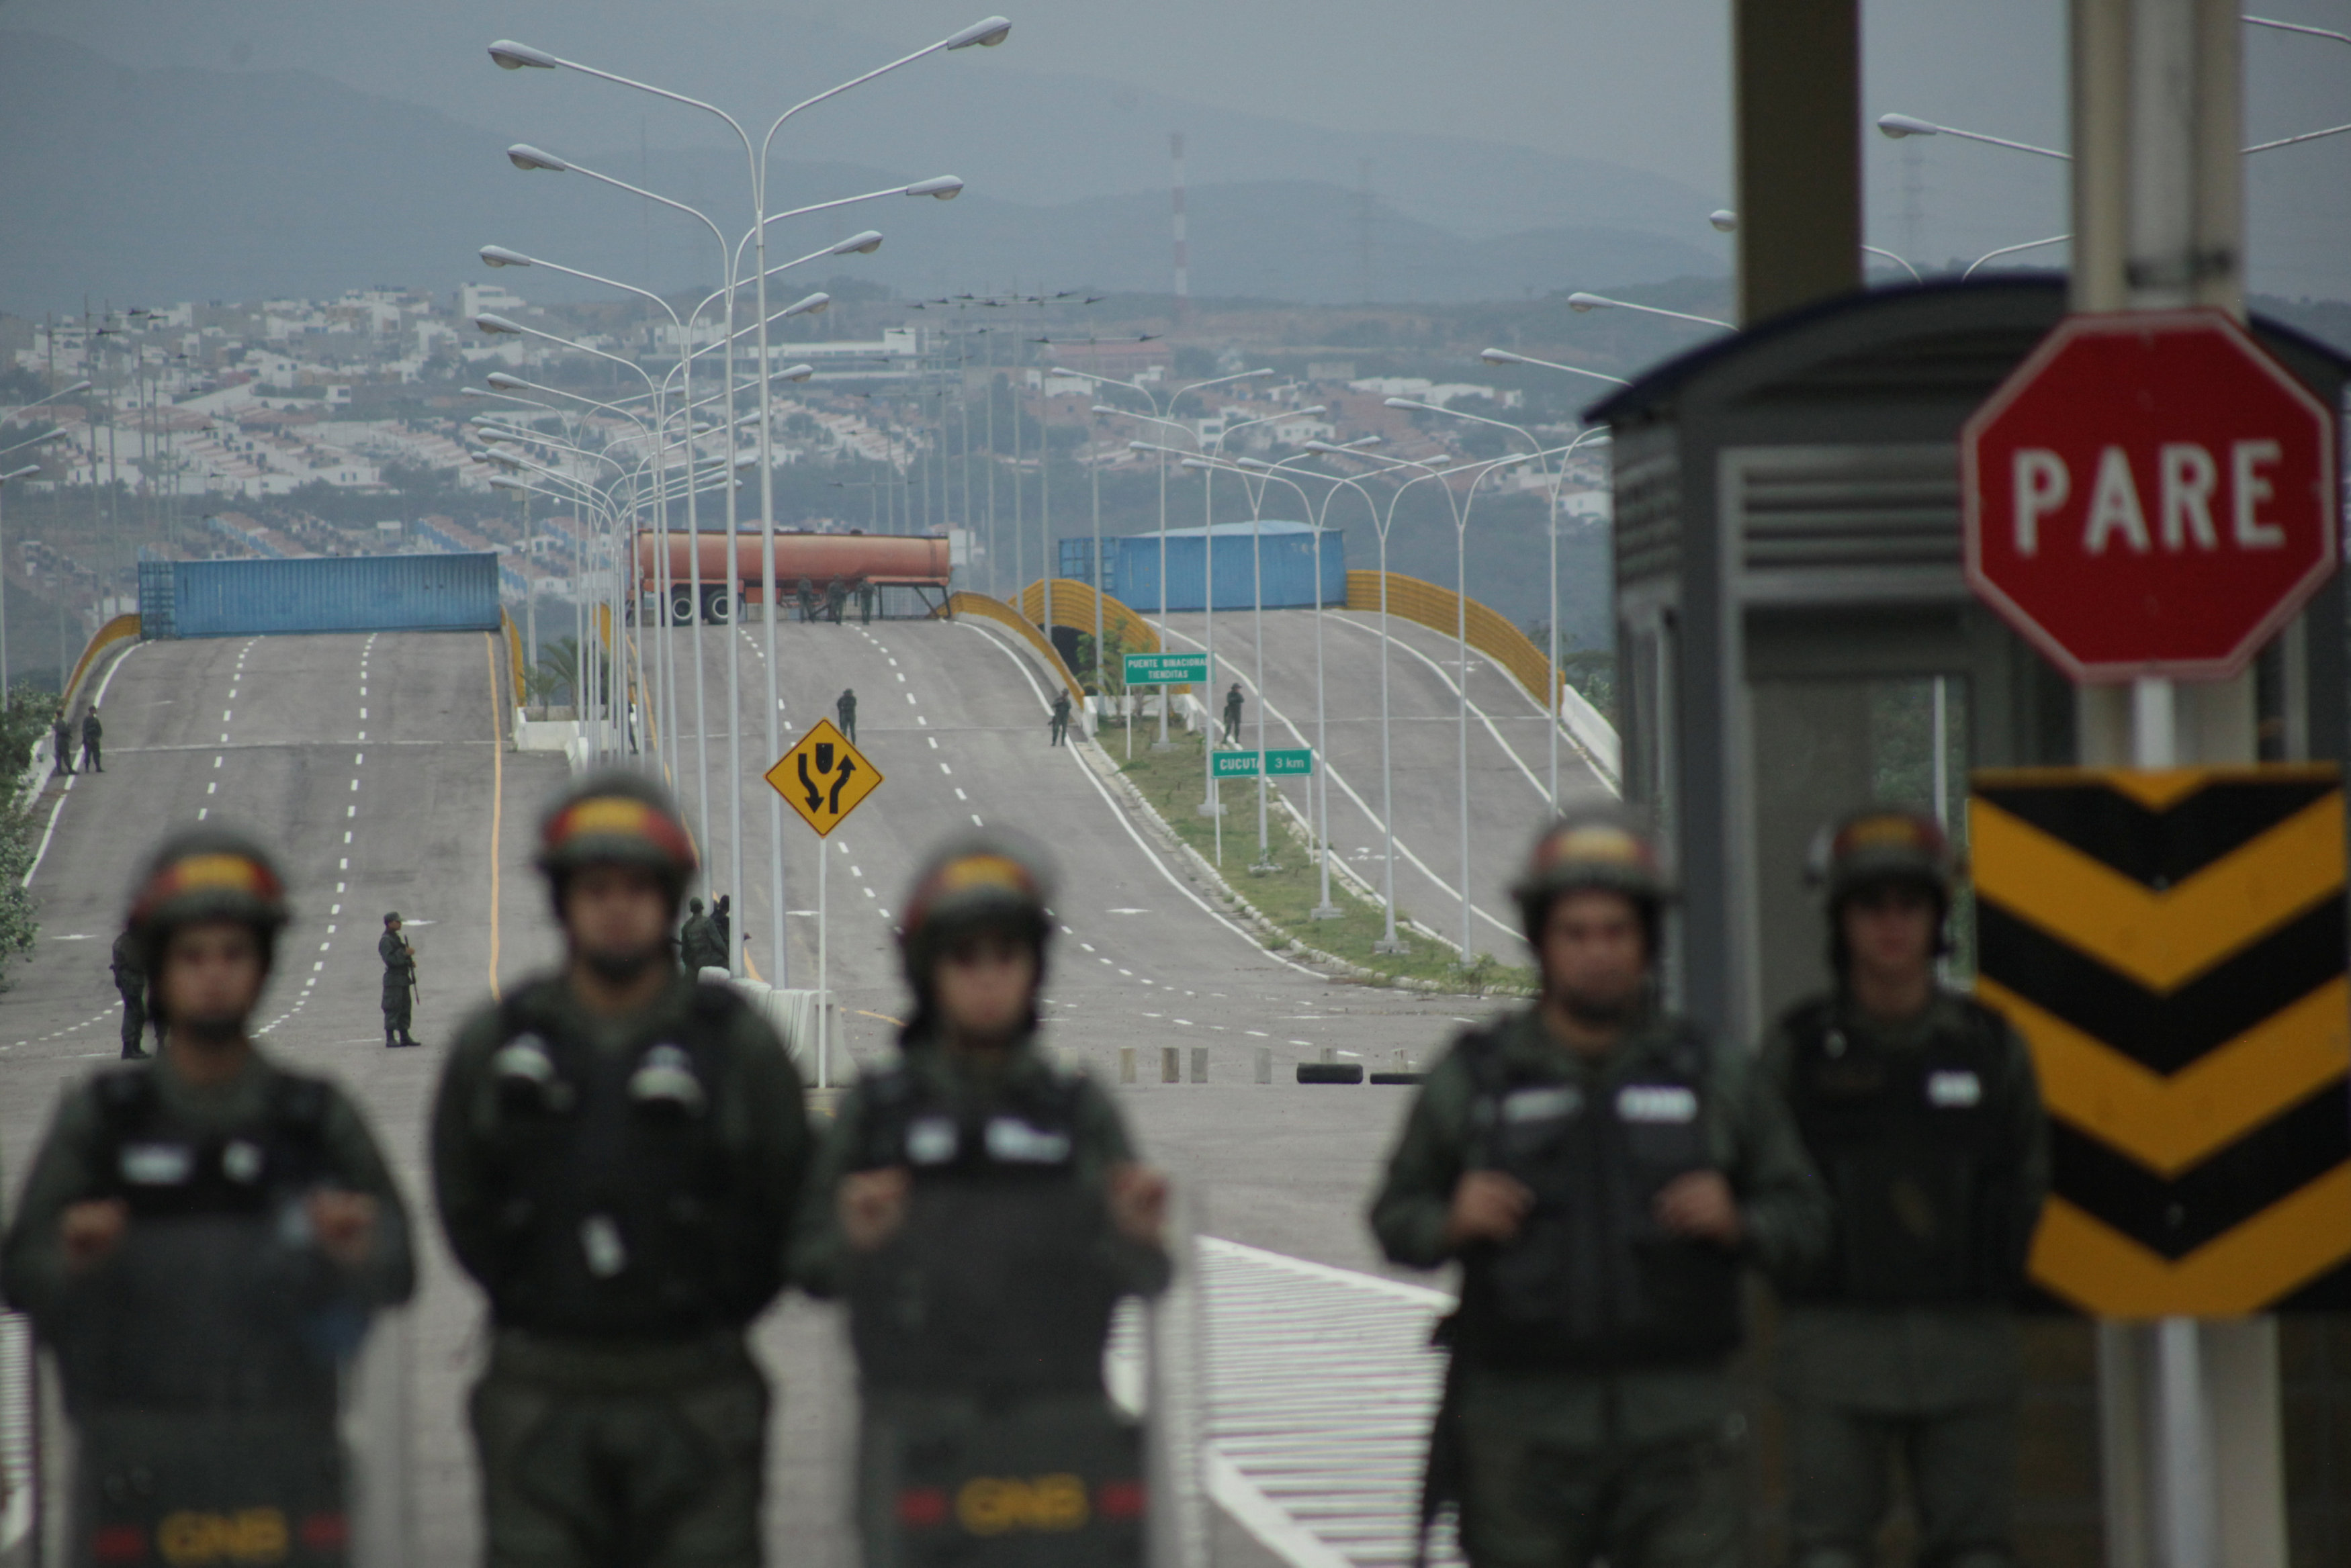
x=498, y=797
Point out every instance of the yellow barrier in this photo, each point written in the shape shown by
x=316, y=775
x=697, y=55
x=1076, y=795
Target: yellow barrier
x=997, y=610
x=1073, y=606
x=1489, y=632
x=113, y=631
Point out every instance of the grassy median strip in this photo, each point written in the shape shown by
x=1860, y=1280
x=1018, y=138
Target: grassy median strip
x=1287, y=894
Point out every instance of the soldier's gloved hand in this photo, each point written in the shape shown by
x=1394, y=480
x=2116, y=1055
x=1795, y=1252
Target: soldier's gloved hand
x=1699, y=1205
x=1487, y=1206
x=1138, y=1203
x=872, y=1205
x=90, y=1230
x=344, y=1223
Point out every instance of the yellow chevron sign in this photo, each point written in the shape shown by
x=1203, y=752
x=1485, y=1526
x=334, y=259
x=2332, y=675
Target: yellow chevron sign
x=2172, y=945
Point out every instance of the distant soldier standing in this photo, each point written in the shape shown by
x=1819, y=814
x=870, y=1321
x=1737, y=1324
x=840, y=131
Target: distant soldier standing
x=92, y=734
x=1061, y=718
x=1922, y=1111
x=845, y=706
x=1233, y=714
x=982, y=1212
x=722, y=921
x=399, y=982
x=131, y=984
x=61, y=746
x=866, y=594
x=699, y=946
x=1604, y=1172
x=202, y=1240
x=618, y=1150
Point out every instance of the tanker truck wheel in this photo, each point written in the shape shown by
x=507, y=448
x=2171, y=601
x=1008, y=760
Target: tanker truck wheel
x=718, y=606
x=681, y=607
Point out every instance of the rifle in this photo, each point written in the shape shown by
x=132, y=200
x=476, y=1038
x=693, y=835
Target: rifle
x=415, y=991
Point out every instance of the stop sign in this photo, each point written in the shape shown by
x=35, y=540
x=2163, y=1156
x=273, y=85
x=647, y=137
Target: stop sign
x=2149, y=495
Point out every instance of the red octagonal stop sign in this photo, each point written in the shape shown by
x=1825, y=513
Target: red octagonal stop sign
x=2149, y=493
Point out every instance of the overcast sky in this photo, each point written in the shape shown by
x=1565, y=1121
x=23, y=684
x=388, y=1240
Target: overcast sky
x=1644, y=85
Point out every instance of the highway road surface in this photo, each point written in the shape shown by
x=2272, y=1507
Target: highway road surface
x=375, y=766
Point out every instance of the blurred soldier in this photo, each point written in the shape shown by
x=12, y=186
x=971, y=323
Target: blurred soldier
x=836, y=597
x=982, y=1212
x=845, y=706
x=866, y=594
x=618, y=1149
x=61, y=746
x=1922, y=1109
x=1233, y=714
x=92, y=734
x=806, y=593
x=722, y=920
x=698, y=944
x=202, y=1240
x=1060, y=725
x=131, y=984
x=399, y=982
x=1603, y=1171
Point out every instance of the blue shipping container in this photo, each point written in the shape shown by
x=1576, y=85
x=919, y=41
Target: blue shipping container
x=335, y=593
x=1289, y=567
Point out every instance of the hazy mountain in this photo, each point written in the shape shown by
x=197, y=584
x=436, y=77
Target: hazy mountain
x=183, y=182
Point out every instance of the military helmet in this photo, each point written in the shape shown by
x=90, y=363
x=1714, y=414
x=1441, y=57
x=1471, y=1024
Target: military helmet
x=612, y=817
x=1883, y=843
x=974, y=880
x=206, y=874
x=391, y=917
x=1602, y=846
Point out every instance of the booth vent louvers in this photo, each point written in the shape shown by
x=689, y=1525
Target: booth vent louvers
x=1648, y=503
x=1809, y=509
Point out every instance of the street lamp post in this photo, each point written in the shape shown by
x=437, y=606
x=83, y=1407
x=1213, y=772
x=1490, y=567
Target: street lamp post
x=511, y=56
x=1581, y=302
x=1158, y=415
x=1554, y=697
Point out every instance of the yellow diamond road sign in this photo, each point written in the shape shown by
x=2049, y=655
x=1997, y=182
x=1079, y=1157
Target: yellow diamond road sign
x=824, y=778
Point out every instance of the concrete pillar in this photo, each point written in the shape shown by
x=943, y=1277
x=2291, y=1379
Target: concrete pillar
x=1796, y=71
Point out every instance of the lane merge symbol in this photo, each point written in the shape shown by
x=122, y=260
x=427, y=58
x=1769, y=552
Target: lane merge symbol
x=824, y=778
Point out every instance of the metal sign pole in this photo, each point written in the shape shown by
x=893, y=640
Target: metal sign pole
x=2159, y=220
x=823, y=971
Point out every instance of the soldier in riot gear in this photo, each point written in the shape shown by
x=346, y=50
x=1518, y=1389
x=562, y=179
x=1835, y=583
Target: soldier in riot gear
x=618, y=1149
x=1603, y=1172
x=202, y=1240
x=1922, y=1112
x=982, y=1211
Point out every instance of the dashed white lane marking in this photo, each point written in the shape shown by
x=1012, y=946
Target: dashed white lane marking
x=976, y=822
x=212, y=788
x=203, y=812
x=942, y=767
x=959, y=794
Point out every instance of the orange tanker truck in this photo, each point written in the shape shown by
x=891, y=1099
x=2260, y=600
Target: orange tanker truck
x=821, y=561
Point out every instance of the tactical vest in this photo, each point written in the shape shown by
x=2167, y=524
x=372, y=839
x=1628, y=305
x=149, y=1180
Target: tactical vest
x=1914, y=1146
x=621, y=1203
x=214, y=1299
x=996, y=1284
x=1593, y=1279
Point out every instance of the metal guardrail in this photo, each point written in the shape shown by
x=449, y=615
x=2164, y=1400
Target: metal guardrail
x=1492, y=634
x=986, y=608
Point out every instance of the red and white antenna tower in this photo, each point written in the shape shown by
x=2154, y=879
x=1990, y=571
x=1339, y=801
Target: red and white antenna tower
x=1183, y=258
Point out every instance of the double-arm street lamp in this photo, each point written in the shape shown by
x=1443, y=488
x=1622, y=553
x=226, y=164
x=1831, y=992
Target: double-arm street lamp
x=1158, y=415
x=511, y=56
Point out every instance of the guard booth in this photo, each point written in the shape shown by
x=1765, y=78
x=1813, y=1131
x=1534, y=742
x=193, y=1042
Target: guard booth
x=1796, y=639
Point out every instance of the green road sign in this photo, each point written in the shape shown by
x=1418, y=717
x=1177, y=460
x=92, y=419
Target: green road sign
x=1166, y=669
x=1244, y=765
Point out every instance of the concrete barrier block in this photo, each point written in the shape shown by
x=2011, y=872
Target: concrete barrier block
x=1329, y=1072
x=1171, y=1065
x=1199, y=1064
x=1126, y=1064
x=1265, y=1064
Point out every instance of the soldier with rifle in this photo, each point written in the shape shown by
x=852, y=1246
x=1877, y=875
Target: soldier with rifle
x=400, y=989
x=1604, y=1173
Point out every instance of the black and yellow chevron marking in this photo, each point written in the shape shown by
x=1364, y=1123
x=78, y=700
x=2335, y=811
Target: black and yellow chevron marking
x=2173, y=945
